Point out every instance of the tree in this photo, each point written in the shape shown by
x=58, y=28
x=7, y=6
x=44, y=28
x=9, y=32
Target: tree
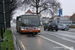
x=51, y=6
x=12, y=6
x=44, y=5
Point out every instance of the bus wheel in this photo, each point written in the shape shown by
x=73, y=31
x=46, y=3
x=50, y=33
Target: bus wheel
x=36, y=33
x=17, y=30
x=20, y=32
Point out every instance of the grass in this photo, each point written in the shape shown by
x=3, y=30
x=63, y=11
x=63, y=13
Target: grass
x=10, y=44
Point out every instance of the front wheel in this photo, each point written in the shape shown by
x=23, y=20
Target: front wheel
x=48, y=29
x=36, y=33
x=51, y=29
x=17, y=30
x=56, y=30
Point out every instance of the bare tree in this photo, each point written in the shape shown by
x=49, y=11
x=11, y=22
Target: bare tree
x=51, y=6
x=44, y=5
x=14, y=4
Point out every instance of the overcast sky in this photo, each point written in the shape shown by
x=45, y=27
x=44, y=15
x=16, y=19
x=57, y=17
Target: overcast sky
x=68, y=7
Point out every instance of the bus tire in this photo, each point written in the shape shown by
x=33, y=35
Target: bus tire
x=20, y=33
x=17, y=30
x=36, y=33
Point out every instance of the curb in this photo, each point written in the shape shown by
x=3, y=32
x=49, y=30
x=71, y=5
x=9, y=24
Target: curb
x=16, y=42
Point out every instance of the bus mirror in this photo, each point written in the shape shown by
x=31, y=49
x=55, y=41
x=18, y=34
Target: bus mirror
x=19, y=19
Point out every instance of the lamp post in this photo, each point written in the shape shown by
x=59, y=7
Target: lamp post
x=5, y=22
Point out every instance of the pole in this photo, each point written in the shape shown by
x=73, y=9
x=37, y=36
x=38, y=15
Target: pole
x=2, y=33
x=0, y=43
x=1, y=37
x=4, y=21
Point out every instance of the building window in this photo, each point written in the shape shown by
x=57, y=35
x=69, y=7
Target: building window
x=58, y=18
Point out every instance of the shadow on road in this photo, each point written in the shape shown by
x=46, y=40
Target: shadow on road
x=29, y=34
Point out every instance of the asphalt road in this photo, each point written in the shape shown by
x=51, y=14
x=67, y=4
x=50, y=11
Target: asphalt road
x=47, y=40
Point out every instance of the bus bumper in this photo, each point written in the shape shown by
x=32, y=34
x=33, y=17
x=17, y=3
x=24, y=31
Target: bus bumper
x=29, y=31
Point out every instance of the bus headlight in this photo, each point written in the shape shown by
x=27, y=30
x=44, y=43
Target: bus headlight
x=22, y=28
x=38, y=28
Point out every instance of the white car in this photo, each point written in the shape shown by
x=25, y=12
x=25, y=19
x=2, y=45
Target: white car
x=63, y=27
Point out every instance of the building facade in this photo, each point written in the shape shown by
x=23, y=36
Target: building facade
x=62, y=20
x=73, y=18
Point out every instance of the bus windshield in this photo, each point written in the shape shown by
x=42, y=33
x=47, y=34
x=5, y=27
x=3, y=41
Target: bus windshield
x=30, y=21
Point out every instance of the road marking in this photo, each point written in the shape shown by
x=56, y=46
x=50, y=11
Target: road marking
x=57, y=43
x=22, y=45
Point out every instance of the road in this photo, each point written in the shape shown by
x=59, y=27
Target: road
x=47, y=40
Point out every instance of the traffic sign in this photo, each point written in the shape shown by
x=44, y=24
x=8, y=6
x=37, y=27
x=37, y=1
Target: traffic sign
x=58, y=21
x=60, y=12
x=4, y=13
x=69, y=22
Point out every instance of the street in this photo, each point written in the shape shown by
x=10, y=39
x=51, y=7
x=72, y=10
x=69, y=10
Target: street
x=47, y=40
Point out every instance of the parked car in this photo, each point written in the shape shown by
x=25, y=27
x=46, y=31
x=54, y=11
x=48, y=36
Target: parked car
x=63, y=27
x=51, y=26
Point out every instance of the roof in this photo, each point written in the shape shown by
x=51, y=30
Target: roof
x=28, y=11
x=54, y=16
x=68, y=16
x=31, y=12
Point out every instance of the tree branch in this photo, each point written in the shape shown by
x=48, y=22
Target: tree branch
x=42, y=10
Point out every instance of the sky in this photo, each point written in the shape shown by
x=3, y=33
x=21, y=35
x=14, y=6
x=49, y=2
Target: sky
x=68, y=7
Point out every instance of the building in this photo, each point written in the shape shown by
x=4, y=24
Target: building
x=62, y=20
x=32, y=13
x=73, y=18
x=28, y=12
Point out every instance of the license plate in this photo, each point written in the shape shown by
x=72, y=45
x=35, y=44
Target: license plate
x=30, y=28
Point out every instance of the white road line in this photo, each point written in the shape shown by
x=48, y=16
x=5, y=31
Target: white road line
x=57, y=43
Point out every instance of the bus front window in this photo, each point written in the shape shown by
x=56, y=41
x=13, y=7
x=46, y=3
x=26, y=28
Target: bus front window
x=30, y=22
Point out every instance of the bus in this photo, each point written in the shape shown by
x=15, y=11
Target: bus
x=28, y=24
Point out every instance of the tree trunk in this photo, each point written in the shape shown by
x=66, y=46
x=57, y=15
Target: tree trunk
x=36, y=6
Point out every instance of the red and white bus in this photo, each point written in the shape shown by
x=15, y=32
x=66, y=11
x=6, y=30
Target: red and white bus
x=28, y=24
